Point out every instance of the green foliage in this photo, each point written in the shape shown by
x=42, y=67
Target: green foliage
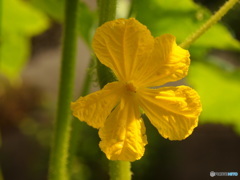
x=86, y=22
x=181, y=18
x=19, y=22
x=218, y=87
x=219, y=91
x=55, y=9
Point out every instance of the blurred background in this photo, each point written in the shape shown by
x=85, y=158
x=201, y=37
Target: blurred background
x=30, y=53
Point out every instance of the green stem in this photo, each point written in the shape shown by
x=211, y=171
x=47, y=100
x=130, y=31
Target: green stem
x=59, y=153
x=107, y=12
x=119, y=170
x=215, y=18
x=132, y=10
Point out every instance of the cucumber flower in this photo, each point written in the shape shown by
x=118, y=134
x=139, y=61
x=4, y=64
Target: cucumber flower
x=141, y=64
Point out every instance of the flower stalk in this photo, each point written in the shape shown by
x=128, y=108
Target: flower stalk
x=59, y=152
x=107, y=12
x=214, y=19
x=118, y=170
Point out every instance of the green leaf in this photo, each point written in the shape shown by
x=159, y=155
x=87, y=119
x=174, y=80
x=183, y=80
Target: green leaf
x=86, y=21
x=182, y=18
x=20, y=22
x=54, y=8
x=219, y=91
x=15, y=51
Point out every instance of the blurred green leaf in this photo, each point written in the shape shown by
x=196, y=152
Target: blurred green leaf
x=55, y=9
x=15, y=51
x=87, y=20
x=182, y=18
x=219, y=91
x=20, y=22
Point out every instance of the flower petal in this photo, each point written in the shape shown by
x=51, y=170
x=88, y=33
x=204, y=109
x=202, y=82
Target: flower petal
x=123, y=135
x=169, y=62
x=173, y=111
x=123, y=45
x=95, y=108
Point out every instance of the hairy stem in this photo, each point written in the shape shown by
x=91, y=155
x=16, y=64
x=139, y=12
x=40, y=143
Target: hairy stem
x=107, y=12
x=118, y=170
x=132, y=10
x=215, y=18
x=59, y=153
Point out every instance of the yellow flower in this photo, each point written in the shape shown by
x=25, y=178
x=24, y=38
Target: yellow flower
x=139, y=62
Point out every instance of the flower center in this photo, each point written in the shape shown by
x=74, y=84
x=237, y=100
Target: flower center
x=130, y=87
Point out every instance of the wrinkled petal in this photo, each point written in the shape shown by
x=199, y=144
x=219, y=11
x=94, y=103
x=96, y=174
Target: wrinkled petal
x=123, y=135
x=95, y=108
x=169, y=62
x=173, y=111
x=123, y=45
